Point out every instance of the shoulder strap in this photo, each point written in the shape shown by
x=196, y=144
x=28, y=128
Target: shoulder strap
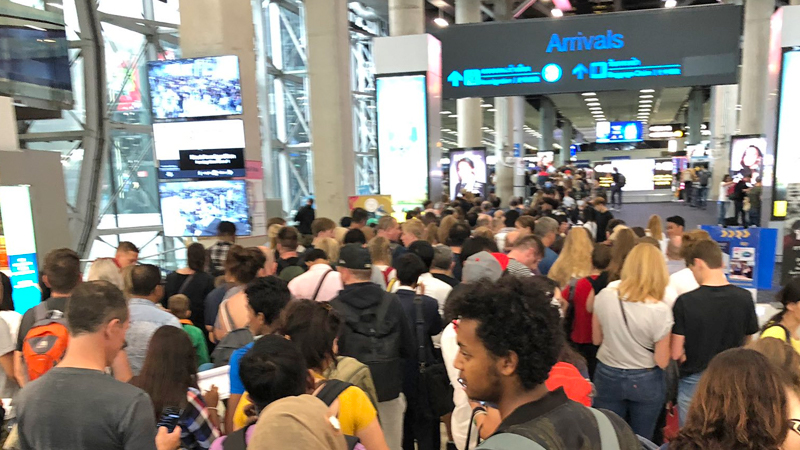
x=573, y=283
x=608, y=435
x=627, y=327
x=332, y=390
x=236, y=440
x=510, y=441
x=321, y=282
x=391, y=285
x=420, y=325
x=386, y=274
x=186, y=283
x=232, y=324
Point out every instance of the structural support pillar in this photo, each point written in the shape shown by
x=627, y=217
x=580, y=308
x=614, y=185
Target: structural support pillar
x=504, y=150
x=566, y=142
x=695, y=116
x=723, y=126
x=470, y=116
x=547, y=112
x=406, y=17
x=755, y=57
x=519, y=141
x=331, y=105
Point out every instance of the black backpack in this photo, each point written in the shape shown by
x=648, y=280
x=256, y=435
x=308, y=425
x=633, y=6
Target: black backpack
x=622, y=180
x=703, y=177
x=236, y=339
x=329, y=393
x=374, y=339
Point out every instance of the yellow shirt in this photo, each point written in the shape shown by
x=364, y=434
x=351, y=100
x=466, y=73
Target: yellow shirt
x=780, y=333
x=355, y=411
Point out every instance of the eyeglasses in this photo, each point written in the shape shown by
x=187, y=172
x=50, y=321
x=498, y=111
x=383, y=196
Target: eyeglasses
x=794, y=424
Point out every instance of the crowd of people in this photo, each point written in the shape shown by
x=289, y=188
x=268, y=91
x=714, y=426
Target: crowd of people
x=548, y=324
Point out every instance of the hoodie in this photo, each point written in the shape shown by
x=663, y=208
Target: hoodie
x=367, y=309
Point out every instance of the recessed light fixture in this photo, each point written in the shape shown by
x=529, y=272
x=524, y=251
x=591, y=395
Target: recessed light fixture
x=441, y=22
x=647, y=91
x=593, y=104
x=559, y=13
x=444, y=113
x=645, y=101
x=491, y=110
x=590, y=99
x=670, y=3
x=588, y=94
x=646, y=96
x=486, y=105
x=453, y=116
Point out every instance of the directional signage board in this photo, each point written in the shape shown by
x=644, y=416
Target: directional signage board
x=692, y=46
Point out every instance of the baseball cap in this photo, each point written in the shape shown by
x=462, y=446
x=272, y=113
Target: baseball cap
x=481, y=265
x=354, y=256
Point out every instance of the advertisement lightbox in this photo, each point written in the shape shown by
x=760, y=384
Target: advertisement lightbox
x=403, y=139
x=17, y=220
x=747, y=156
x=468, y=172
x=787, y=158
x=613, y=132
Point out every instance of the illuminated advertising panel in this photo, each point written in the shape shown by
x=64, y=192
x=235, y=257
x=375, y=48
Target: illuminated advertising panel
x=468, y=172
x=403, y=139
x=787, y=158
x=17, y=218
x=613, y=132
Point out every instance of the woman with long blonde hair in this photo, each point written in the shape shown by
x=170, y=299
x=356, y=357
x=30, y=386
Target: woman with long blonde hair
x=654, y=228
x=444, y=228
x=632, y=326
x=575, y=260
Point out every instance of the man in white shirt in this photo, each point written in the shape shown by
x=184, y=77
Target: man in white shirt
x=320, y=283
x=433, y=287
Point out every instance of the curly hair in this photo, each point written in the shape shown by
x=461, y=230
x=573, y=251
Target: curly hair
x=515, y=315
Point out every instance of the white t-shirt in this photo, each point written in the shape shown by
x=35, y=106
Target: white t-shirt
x=723, y=192
x=624, y=347
x=683, y=281
x=460, y=422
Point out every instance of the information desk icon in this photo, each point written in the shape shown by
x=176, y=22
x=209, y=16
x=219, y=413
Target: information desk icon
x=552, y=73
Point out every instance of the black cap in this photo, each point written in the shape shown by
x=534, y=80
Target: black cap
x=355, y=256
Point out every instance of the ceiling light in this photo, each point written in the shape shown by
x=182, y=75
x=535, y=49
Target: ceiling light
x=588, y=94
x=441, y=22
x=453, y=116
x=491, y=110
x=593, y=104
x=647, y=91
x=645, y=101
x=670, y=3
x=595, y=108
x=588, y=99
x=558, y=13
x=645, y=96
x=486, y=105
x=444, y=113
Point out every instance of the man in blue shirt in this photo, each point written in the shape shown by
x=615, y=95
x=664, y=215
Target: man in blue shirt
x=266, y=298
x=547, y=230
x=146, y=316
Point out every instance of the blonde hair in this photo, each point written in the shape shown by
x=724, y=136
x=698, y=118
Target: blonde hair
x=644, y=275
x=444, y=228
x=380, y=251
x=431, y=232
x=621, y=247
x=575, y=259
x=415, y=227
x=655, y=228
x=331, y=248
x=272, y=235
x=484, y=232
x=178, y=305
x=105, y=269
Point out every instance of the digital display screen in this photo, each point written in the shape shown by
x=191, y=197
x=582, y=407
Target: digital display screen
x=403, y=139
x=611, y=132
x=747, y=156
x=36, y=56
x=639, y=173
x=193, y=88
x=468, y=172
x=220, y=163
x=787, y=158
x=196, y=208
x=170, y=138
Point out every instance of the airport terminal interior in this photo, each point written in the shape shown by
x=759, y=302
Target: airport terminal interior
x=400, y=224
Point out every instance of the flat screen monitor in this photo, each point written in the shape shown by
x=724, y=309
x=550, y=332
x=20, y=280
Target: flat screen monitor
x=196, y=208
x=468, y=172
x=403, y=139
x=200, y=149
x=613, y=132
x=193, y=88
x=639, y=173
x=747, y=156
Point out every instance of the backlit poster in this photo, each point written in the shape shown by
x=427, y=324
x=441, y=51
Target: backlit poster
x=747, y=156
x=403, y=139
x=15, y=209
x=468, y=172
x=786, y=154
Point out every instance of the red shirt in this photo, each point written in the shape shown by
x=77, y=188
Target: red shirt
x=582, y=325
x=576, y=387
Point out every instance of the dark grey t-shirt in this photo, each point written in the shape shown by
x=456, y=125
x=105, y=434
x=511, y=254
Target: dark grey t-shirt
x=69, y=408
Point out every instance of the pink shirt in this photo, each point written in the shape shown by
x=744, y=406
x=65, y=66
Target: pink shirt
x=304, y=286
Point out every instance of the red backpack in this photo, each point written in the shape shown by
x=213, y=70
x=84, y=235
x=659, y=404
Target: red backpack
x=46, y=342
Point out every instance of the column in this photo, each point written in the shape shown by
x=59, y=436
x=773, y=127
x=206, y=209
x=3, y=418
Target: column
x=694, y=116
x=547, y=112
x=723, y=125
x=406, y=17
x=566, y=142
x=8, y=125
x=470, y=116
x=755, y=56
x=504, y=148
x=519, y=139
x=331, y=105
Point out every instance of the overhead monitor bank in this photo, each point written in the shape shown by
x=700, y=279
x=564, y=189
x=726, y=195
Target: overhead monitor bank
x=692, y=46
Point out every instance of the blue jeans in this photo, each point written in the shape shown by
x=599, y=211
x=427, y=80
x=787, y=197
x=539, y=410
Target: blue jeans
x=702, y=192
x=636, y=395
x=686, y=388
x=723, y=209
x=755, y=217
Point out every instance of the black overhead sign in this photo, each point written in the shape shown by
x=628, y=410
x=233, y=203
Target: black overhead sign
x=692, y=46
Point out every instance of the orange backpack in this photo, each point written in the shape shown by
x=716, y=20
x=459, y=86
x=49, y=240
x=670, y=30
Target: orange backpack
x=46, y=342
